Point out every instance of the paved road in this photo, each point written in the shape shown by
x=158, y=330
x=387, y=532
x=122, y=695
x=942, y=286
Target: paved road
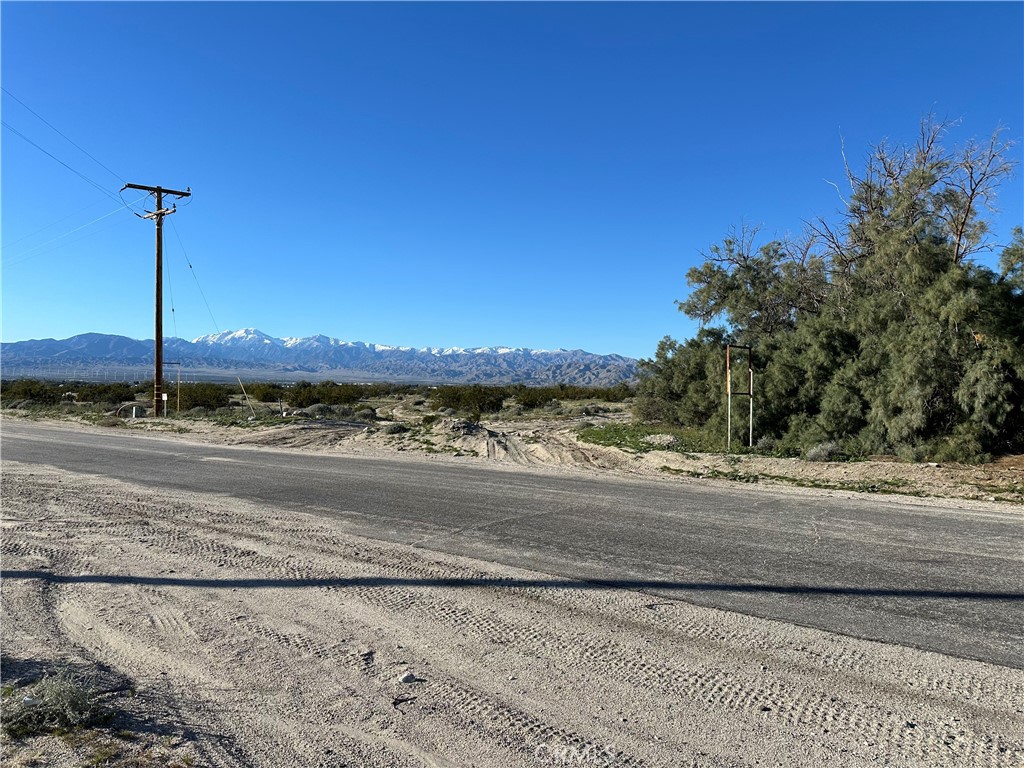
x=934, y=578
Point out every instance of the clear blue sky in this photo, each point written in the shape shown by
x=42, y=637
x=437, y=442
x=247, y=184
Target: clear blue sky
x=523, y=174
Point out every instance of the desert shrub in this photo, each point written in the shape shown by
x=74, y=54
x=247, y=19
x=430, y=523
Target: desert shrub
x=536, y=397
x=305, y=393
x=395, y=429
x=660, y=440
x=472, y=398
x=202, y=394
x=429, y=419
x=40, y=392
x=828, y=451
x=265, y=392
x=338, y=394
x=766, y=445
x=106, y=393
x=366, y=414
x=59, y=701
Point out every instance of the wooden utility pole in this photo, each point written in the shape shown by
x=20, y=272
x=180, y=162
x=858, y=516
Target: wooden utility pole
x=158, y=217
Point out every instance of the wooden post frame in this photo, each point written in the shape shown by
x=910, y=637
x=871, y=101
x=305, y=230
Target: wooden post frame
x=729, y=393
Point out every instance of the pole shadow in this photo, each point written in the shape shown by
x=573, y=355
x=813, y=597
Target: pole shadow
x=641, y=585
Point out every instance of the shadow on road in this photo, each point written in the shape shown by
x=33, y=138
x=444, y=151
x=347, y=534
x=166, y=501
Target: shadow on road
x=499, y=583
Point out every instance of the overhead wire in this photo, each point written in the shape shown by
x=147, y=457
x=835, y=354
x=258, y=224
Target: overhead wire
x=117, y=176
x=188, y=261
x=61, y=237
x=170, y=291
x=57, y=247
x=129, y=206
x=81, y=175
x=51, y=224
x=81, y=149
x=120, y=198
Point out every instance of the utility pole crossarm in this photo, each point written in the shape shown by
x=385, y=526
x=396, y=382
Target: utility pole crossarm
x=144, y=188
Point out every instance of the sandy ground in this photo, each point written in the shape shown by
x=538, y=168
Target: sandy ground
x=234, y=634
x=225, y=634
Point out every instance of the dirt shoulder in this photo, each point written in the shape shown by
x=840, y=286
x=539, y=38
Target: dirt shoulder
x=235, y=634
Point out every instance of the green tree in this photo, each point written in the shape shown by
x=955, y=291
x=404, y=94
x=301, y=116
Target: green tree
x=880, y=331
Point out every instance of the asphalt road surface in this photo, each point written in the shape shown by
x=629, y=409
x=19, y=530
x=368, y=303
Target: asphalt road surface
x=931, y=577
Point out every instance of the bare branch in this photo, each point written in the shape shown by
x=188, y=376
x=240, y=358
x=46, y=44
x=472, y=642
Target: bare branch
x=841, y=198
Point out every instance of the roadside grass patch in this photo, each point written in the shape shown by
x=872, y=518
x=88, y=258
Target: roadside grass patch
x=107, y=421
x=642, y=438
x=60, y=701
x=893, y=485
x=73, y=708
x=1012, y=492
x=714, y=474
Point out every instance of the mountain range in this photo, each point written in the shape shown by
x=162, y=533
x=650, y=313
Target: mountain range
x=255, y=355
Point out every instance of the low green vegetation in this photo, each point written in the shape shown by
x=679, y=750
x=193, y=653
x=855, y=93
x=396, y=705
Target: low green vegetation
x=479, y=399
x=227, y=404
x=642, y=438
x=60, y=701
x=304, y=393
x=473, y=399
x=92, y=723
x=888, y=485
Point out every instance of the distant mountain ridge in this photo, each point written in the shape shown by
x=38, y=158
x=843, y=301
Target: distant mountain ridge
x=251, y=353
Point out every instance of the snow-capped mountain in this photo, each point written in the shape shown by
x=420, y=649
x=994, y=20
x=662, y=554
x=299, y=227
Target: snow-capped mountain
x=254, y=354
x=244, y=337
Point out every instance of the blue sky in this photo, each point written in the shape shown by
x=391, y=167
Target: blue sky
x=463, y=174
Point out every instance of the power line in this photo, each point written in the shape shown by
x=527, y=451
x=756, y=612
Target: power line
x=129, y=205
x=61, y=245
x=66, y=234
x=194, y=275
x=51, y=224
x=51, y=125
x=81, y=175
x=170, y=290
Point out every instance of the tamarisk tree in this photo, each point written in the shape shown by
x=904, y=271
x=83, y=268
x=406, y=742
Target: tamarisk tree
x=880, y=332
